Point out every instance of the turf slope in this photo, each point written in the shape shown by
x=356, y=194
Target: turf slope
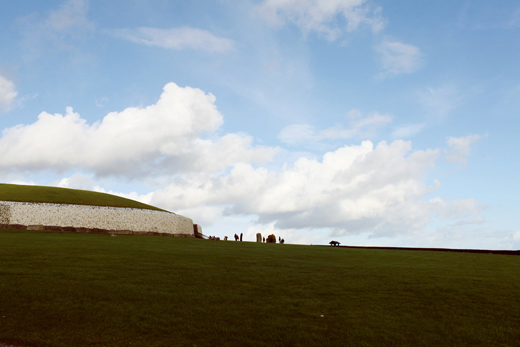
x=40, y=194
x=67, y=289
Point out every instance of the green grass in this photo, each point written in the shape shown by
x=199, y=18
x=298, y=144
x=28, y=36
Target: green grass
x=68, y=289
x=15, y=192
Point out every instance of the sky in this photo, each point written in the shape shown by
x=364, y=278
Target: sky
x=373, y=123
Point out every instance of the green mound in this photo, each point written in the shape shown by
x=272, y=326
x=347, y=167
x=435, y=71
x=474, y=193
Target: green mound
x=54, y=195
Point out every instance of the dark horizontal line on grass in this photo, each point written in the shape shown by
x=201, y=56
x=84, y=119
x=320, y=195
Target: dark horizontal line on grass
x=489, y=251
x=88, y=230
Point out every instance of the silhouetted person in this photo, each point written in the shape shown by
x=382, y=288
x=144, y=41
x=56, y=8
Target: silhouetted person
x=264, y=238
x=240, y=237
x=236, y=237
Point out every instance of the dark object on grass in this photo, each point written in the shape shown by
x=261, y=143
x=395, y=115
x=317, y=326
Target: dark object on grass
x=334, y=243
x=258, y=237
x=271, y=239
x=264, y=238
x=236, y=237
x=240, y=237
x=282, y=241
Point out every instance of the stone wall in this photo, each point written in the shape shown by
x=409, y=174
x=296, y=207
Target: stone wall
x=117, y=220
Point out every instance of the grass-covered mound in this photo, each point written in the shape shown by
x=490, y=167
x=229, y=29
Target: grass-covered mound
x=23, y=193
x=65, y=289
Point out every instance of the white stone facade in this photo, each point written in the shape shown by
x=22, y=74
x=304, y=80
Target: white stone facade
x=94, y=218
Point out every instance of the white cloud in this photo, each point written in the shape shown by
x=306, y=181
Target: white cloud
x=440, y=102
x=294, y=236
x=359, y=126
x=203, y=215
x=511, y=241
x=355, y=189
x=398, y=58
x=102, y=102
x=407, y=131
x=322, y=16
x=174, y=144
x=460, y=148
x=174, y=135
x=466, y=210
x=60, y=29
x=177, y=38
x=71, y=14
x=144, y=198
x=87, y=182
x=296, y=134
x=7, y=94
x=78, y=181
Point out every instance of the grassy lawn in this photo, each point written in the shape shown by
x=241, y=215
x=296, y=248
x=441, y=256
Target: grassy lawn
x=68, y=289
x=15, y=192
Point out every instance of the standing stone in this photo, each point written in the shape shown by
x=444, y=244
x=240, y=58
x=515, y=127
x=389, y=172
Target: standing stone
x=258, y=237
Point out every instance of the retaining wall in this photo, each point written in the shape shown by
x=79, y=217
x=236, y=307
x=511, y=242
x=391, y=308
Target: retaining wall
x=101, y=219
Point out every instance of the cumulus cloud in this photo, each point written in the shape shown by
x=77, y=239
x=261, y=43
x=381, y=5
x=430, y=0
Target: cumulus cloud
x=7, y=94
x=398, y=58
x=175, y=146
x=177, y=38
x=324, y=17
x=78, y=181
x=294, y=236
x=355, y=189
x=512, y=241
x=170, y=136
x=460, y=148
x=359, y=126
x=466, y=210
x=87, y=182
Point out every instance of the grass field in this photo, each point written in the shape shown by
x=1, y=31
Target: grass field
x=15, y=192
x=68, y=289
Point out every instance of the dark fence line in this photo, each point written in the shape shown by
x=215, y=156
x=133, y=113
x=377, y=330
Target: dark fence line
x=489, y=251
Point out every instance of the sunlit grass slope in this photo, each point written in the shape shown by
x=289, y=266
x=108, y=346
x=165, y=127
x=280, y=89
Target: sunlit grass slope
x=23, y=193
x=68, y=289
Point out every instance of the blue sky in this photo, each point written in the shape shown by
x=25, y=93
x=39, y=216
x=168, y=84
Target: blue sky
x=369, y=122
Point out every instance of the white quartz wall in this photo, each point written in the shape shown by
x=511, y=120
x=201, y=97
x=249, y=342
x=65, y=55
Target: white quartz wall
x=94, y=217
